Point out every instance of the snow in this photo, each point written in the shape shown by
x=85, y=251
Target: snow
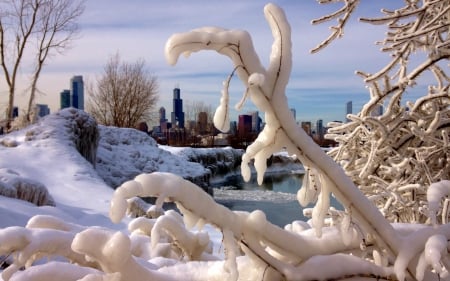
x=77, y=196
x=134, y=152
x=82, y=232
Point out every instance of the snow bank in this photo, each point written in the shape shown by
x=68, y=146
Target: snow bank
x=46, y=158
x=125, y=153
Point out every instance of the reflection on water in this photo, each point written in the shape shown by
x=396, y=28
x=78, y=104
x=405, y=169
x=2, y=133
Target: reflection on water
x=276, y=197
x=289, y=183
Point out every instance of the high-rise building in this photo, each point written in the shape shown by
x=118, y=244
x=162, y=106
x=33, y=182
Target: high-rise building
x=256, y=122
x=349, y=109
x=77, y=91
x=244, y=124
x=202, y=123
x=294, y=113
x=177, y=116
x=233, y=127
x=306, y=125
x=320, y=129
x=162, y=114
x=42, y=110
x=64, y=99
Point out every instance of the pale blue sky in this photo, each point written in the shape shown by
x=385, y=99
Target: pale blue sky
x=320, y=84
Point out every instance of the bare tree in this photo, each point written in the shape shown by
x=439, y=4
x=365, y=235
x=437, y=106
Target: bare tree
x=50, y=24
x=57, y=27
x=192, y=109
x=124, y=95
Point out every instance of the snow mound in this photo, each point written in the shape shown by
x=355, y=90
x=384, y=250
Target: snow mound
x=125, y=153
x=69, y=126
x=55, y=153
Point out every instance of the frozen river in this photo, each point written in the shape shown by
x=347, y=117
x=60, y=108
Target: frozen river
x=276, y=197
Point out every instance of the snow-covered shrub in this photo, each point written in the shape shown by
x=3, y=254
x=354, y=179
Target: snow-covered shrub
x=8, y=142
x=395, y=156
x=85, y=131
x=14, y=186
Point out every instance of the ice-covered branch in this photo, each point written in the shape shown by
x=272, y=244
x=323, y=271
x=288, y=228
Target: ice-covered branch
x=267, y=91
x=337, y=31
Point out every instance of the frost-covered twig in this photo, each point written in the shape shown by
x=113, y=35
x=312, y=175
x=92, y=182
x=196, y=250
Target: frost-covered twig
x=343, y=14
x=267, y=91
x=385, y=153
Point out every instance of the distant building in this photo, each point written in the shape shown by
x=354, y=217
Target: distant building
x=320, y=130
x=64, y=99
x=306, y=126
x=349, y=109
x=77, y=92
x=202, y=123
x=177, y=116
x=15, y=112
x=294, y=113
x=244, y=124
x=42, y=110
x=233, y=128
x=162, y=114
x=256, y=122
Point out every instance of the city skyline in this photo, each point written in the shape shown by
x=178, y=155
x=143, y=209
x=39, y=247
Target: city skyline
x=319, y=87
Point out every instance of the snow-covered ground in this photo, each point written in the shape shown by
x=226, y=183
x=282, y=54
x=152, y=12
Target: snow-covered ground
x=72, y=209
x=45, y=155
x=44, y=158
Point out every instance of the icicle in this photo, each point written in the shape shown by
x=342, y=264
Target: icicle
x=309, y=191
x=222, y=114
x=320, y=210
x=346, y=230
x=231, y=252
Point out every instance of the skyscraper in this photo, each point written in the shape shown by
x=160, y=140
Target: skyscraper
x=42, y=110
x=306, y=125
x=349, y=109
x=162, y=114
x=256, y=122
x=319, y=129
x=244, y=124
x=77, y=91
x=64, y=99
x=294, y=113
x=177, y=116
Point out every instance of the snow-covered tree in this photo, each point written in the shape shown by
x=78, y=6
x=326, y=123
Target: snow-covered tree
x=395, y=156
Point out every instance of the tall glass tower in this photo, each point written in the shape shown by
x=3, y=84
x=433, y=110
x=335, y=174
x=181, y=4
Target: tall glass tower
x=77, y=91
x=177, y=116
x=349, y=109
x=65, y=99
